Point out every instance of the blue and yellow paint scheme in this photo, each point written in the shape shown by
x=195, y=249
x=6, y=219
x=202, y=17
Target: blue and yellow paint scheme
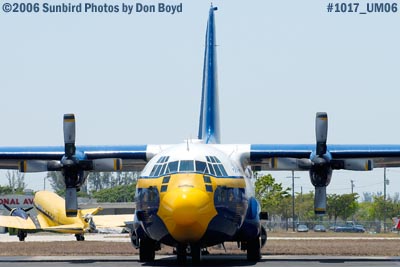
x=194, y=194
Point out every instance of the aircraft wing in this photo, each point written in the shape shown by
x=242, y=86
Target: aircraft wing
x=295, y=157
x=105, y=221
x=134, y=157
x=17, y=222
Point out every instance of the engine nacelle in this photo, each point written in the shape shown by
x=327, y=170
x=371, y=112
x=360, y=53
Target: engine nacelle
x=320, y=178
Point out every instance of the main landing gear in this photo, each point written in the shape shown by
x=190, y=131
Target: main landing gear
x=21, y=235
x=80, y=237
x=194, y=251
x=147, y=249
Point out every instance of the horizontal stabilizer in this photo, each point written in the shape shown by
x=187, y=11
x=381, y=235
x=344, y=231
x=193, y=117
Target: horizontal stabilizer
x=104, y=221
x=92, y=211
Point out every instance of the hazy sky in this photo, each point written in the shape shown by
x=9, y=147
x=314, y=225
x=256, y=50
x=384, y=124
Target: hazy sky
x=136, y=79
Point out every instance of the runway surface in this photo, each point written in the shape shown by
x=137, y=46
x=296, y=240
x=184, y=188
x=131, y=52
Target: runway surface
x=118, y=237
x=161, y=260
x=227, y=260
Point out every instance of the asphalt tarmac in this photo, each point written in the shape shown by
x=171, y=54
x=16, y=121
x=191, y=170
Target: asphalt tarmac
x=226, y=260
x=161, y=260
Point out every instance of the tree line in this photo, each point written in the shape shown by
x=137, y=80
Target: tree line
x=278, y=202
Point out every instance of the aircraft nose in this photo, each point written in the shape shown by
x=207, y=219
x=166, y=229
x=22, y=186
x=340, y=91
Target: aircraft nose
x=186, y=212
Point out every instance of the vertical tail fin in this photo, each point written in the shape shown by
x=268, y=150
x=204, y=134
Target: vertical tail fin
x=209, y=130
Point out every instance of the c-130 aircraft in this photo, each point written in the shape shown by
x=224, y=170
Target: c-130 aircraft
x=199, y=193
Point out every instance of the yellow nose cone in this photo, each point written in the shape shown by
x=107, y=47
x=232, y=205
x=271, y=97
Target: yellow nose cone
x=186, y=213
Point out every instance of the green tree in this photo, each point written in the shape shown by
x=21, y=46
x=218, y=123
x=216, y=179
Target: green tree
x=271, y=195
x=16, y=181
x=342, y=206
x=381, y=208
x=304, y=207
x=56, y=182
x=364, y=212
x=120, y=193
x=5, y=190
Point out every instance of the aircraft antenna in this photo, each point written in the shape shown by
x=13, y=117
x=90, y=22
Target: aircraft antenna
x=187, y=144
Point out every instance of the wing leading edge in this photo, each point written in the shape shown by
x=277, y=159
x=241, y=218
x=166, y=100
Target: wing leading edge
x=134, y=157
x=264, y=156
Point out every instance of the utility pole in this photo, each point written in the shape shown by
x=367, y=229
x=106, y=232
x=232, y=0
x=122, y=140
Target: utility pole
x=293, y=225
x=352, y=192
x=352, y=186
x=385, y=182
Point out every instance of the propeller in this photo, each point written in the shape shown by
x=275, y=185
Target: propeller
x=321, y=170
x=74, y=166
x=18, y=212
x=10, y=209
x=321, y=164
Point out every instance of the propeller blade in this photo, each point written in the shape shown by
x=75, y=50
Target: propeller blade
x=54, y=166
x=7, y=207
x=352, y=164
x=321, y=132
x=320, y=200
x=69, y=135
x=107, y=165
x=290, y=164
x=39, y=166
x=33, y=166
x=71, y=202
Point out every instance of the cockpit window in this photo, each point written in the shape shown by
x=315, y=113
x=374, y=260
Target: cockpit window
x=201, y=167
x=186, y=166
x=172, y=167
x=213, y=167
x=217, y=170
x=163, y=159
x=158, y=169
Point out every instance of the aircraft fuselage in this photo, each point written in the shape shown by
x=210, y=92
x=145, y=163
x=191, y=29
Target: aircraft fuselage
x=194, y=193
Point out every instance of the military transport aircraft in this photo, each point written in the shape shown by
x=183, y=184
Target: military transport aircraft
x=51, y=217
x=199, y=193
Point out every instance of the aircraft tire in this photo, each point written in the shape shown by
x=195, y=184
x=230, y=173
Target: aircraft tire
x=21, y=235
x=195, y=251
x=80, y=237
x=254, y=250
x=147, y=250
x=181, y=254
